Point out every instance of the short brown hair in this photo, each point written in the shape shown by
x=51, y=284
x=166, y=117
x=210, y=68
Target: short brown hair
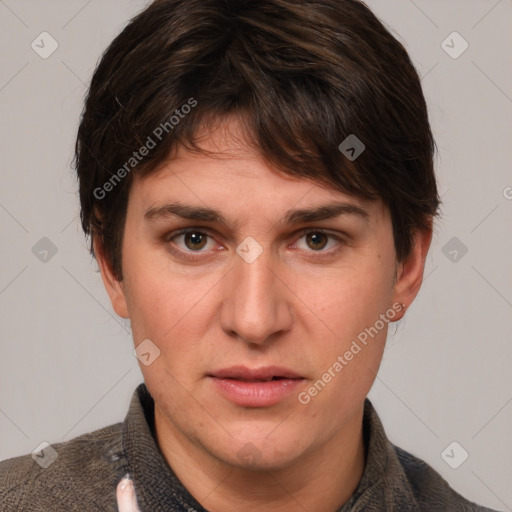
x=301, y=75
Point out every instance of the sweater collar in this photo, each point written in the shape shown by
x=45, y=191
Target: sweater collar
x=156, y=486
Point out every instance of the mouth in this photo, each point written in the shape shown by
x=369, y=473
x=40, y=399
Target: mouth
x=260, y=387
x=264, y=374
x=258, y=380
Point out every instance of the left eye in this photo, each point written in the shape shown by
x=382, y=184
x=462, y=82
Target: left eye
x=316, y=240
x=193, y=240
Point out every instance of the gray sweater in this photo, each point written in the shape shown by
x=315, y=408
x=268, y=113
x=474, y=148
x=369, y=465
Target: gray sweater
x=87, y=469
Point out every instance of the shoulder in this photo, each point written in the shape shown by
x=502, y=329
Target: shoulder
x=431, y=491
x=79, y=474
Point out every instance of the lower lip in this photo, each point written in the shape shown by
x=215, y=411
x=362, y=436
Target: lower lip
x=256, y=394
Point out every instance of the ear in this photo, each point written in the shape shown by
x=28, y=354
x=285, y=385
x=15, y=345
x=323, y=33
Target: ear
x=114, y=287
x=410, y=271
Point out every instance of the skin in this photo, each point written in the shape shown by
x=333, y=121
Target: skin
x=298, y=305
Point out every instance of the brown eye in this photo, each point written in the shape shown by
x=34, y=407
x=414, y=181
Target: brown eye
x=316, y=240
x=195, y=240
x=191, y=244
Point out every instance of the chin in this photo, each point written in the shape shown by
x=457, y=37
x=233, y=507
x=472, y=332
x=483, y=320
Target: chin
x=259, y=454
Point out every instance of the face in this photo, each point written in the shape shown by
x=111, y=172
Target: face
x=270, y=323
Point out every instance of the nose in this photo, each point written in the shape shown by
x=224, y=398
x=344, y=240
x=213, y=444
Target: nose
x=256, y=305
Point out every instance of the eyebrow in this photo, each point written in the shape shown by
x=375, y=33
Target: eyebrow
x=306, y=215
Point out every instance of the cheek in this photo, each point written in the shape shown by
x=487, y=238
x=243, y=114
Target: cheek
x=159, y=308
x=168, y=307
x=154, y=298
x=353, y=298
x=350, y=306
x=346, y=360
x=162, y=313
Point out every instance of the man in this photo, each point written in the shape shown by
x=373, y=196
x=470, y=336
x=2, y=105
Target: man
x=257, y=180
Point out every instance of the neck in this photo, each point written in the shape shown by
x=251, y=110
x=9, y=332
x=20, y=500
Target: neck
x=321, y=479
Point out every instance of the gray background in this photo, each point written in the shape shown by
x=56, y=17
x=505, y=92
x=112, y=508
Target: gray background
x=66, y=363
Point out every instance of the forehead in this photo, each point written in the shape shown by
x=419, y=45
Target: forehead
x=231, y=174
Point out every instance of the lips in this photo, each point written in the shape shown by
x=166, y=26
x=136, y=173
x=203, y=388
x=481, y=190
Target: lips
x=264, y=374
x=257, y=387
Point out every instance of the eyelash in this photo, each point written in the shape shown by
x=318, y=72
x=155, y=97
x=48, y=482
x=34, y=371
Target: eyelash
x=195, y=255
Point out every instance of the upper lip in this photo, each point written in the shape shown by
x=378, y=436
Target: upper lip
x=263, y=373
